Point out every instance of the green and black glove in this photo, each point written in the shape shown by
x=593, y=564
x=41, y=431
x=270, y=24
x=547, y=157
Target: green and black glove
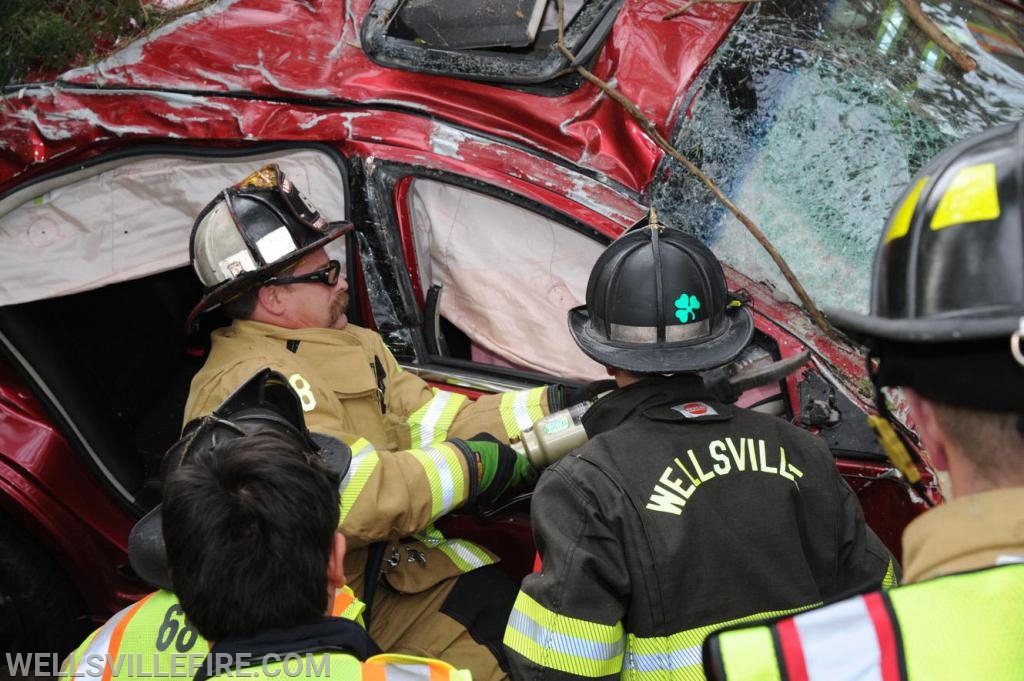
x=501, y=468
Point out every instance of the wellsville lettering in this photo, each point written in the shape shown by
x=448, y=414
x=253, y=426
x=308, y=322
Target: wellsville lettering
x=671, y=492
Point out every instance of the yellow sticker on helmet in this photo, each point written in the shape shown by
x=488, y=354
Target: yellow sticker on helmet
x=971, y=197
x=901, y=221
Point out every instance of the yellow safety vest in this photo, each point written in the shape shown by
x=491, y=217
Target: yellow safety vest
x=152, y=638
x=962, y=626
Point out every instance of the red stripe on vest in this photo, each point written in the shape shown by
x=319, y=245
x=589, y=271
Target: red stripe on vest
x=889, y=664
x=792, y=650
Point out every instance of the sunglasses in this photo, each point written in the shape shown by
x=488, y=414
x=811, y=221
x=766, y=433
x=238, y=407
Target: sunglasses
x=326, y=275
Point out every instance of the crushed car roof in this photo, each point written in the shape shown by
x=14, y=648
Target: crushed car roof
x=197, y=78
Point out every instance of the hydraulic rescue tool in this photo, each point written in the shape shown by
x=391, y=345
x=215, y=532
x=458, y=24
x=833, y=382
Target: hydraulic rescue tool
x=561, y=432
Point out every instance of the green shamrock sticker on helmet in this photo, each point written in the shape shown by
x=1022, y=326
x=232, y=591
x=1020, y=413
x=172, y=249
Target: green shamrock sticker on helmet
x=686, y=308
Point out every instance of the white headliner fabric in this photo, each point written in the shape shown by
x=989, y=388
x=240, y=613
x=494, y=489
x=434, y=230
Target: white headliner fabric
x=132, y=220
x=509, y=275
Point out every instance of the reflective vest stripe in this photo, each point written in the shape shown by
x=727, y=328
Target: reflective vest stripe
x=397, y=667
x=520, y=409
x=679, y=654
x=567, y=644
x=443, y=468
x=108, y=642
x=430, y=423
x=885, y=630
x=342, y=601
x=374, y=672
x=466, y=555
x=364, y=462
x=792, y=651
x=347, y=606
x=889, y=581
x=100, y=644
x=828, y=633
x=412, y=672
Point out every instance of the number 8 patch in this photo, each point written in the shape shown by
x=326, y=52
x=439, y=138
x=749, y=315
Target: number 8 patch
x=304, y=390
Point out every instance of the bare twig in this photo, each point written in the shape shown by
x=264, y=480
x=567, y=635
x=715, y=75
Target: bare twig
x=679, y=10
x=652, y=131
x=687, y=6
x=931, y=29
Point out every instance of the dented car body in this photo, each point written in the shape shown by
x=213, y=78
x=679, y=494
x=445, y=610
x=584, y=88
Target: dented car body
x=483, y=180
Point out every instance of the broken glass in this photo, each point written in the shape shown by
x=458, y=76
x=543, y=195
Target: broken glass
x=813, y=118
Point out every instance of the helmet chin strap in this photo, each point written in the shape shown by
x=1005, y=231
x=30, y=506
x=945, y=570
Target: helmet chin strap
x=894, y=444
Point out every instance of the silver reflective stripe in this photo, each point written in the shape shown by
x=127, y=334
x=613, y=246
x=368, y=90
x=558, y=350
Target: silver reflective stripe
x=445, y=478
x=433, y=414
x=649, y=334
x=563, y=643
x=467, y=556
x=521, y=409
x=828, y=634
x=407, y=672
x=668, y=661
x=355, y=464
x=99, y=648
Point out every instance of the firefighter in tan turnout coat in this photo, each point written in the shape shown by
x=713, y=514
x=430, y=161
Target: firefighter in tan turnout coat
x=258, y=248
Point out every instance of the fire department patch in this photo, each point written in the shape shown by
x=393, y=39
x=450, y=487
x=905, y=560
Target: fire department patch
x=695, y=410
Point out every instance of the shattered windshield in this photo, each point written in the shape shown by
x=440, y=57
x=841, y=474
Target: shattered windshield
x=814, y=116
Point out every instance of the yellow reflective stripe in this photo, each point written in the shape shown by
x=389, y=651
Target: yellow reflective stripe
x=901, y=221
x=520, y=409
x=364, y=462
x=749, y=654
x=466, y=555
x=567, y=644
x=680, y=653
x=443, y=468
x=431, y=422
x=889, y=581
x=970, y=197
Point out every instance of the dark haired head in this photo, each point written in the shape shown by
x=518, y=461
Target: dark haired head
x=249, y=526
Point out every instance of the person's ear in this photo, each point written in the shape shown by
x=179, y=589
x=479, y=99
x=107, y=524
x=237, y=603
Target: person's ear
x=336, y=563
x=929, y=428
x=271, y=300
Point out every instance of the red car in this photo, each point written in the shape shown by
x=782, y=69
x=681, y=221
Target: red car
x=475, y=160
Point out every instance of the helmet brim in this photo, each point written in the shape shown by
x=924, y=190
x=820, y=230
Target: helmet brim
x=676, y=357
x=227, y=290
x=147, y=553
x=868, y=329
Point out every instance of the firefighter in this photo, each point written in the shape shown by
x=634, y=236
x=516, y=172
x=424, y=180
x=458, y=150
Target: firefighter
x=258, y=248
x=682, y=513
x=250, y=522
x=946, y=324
x=153, y=637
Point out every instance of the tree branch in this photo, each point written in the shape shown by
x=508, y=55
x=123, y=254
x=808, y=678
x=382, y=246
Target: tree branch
x=931, y=29
x=652, y=131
